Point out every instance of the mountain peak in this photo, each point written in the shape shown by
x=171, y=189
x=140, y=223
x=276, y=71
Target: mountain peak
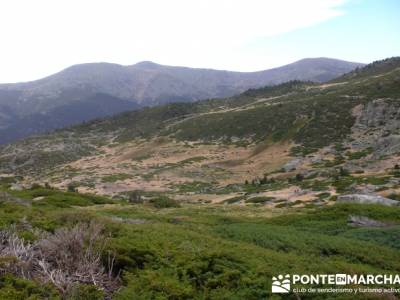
x=146, y=64
x=143, y=84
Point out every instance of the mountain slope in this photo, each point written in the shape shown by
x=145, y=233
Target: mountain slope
x=214, y=146
x=195, y=200
x=29, y=108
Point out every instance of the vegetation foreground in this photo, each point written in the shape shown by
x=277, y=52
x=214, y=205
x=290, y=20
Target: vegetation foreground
x=164, y=250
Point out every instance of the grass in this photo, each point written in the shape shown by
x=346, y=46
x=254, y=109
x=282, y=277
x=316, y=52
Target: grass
x=58, y=199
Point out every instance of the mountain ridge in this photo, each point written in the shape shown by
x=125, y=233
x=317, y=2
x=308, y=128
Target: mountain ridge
x=312, y=115
x=142, y=84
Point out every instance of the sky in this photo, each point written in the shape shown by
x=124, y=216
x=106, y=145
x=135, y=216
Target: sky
x=41, y=37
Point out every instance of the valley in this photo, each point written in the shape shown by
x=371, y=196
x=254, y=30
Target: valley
x=211, y=199
x=226, y=147
x=200, y=150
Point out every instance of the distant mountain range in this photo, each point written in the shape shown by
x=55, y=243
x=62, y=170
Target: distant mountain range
x=88, y=91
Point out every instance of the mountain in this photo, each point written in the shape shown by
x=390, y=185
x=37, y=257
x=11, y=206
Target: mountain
x=209, y=199
x=100, y=89
x=350, y=123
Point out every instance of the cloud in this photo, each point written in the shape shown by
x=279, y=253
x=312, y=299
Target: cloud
x=42, y=36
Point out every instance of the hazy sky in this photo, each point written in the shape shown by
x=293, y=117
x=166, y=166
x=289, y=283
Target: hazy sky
x=41, y=37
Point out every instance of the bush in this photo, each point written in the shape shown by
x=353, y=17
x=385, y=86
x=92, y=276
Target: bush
x=13, y=288
x=394, y=196
x=135, y=197
x=36, y=186
x=85, y=292
x=322, y=196
x=67, y=259
x=259, y=200
x=71, y=188
x=299, y=177
x=344, y=172
x=164, y=202
x=233, y=200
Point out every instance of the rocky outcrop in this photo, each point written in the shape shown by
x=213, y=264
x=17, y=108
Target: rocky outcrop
x=16, y=187
x=292, y=165
x=363, y=189
x=388, y=145
x=380, y=112
x=367, y=199
x=378, y=126
x=361, y=221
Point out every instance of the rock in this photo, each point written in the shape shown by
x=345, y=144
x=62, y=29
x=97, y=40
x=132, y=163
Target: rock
x=316, y=159
x=388, y=145
x=361, y=221
x=353, y=167
x=394, y=181
x=379, y=120
x=367, y=199
x=380, y=112
x=365, y=189
x=292, y=165
x=129, y=220
x=310, y=174
x=300, y=192
x=16, y=187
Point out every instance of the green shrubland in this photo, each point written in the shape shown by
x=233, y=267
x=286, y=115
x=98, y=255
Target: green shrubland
x=205, y=251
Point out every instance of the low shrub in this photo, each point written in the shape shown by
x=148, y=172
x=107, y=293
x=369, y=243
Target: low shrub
x=164, y=202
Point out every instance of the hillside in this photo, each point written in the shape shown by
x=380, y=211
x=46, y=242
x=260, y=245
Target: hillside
x=88, y=91
x=210, y=199
x=319, y=128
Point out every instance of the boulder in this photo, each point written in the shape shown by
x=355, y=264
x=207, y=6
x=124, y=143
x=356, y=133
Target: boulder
x=367, y=199
x=16, y=187
x=365, y=189
x=292, y=165
x=362, y=221
x=310, y=174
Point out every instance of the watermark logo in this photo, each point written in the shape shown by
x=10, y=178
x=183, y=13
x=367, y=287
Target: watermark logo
x=340, y=279
x=336, y=283
x=281, y=284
